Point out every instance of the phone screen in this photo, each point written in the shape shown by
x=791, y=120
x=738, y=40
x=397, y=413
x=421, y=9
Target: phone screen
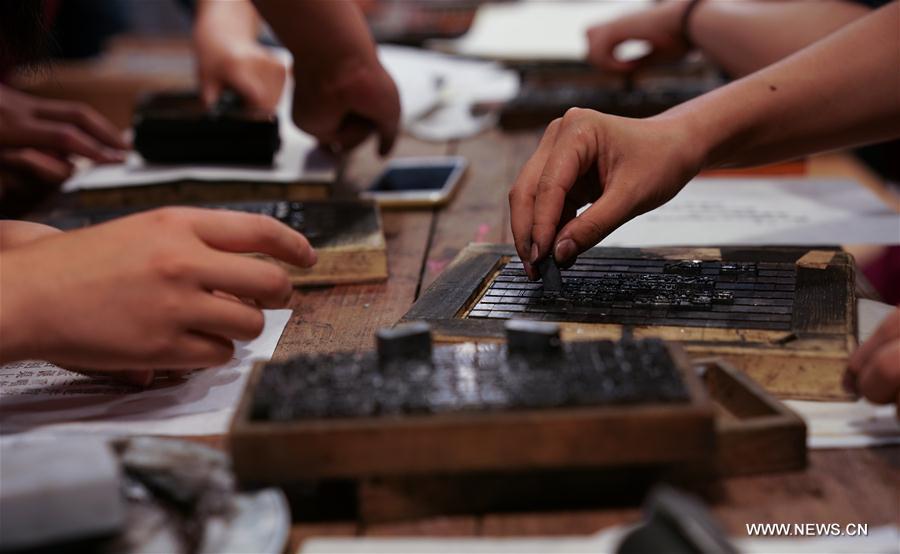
x=405, y=179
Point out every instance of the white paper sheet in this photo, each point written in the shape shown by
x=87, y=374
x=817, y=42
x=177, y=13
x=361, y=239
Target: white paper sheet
x=437, y=91
x=782, y=211
x=859, y=424
x=880, y=540
x=542, y=30
x=299, y=159
x=37, y=397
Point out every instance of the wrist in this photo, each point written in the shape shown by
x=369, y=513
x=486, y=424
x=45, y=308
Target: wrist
x=226, y=21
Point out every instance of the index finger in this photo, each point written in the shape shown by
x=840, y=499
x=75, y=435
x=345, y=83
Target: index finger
x=252, y=233
x=523, y=192
x=571, y=156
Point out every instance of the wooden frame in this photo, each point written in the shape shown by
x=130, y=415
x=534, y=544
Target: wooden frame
x=806, y=361
x=755, y=433
x=587, y=437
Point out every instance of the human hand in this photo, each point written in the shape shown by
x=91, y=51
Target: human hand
x=39, y=135
x=874, y=369
x=229, y=56
x=660, y=26
x=145, y=292
x=343, y=104
x=624, y=166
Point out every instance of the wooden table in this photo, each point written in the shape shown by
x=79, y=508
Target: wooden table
x=844, y=486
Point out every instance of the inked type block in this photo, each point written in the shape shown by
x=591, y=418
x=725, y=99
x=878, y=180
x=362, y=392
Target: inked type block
x=470, y=407
x=535, y=372
x=177, y=128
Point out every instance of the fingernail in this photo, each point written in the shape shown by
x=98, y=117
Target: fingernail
x=313, y=256
x=535, y=253
x=565, y=250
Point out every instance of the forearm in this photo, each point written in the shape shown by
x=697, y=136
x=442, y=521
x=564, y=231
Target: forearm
x=841, y=91
x=17, y=330
x=743, y=37
x=322, y=30
x=234, y=19
x=16, y=233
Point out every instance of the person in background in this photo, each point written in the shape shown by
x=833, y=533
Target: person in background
x=625, y=167
x=729, y=32
x=726, y=31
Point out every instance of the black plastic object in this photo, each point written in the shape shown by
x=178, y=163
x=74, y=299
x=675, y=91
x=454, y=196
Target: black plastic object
x=676, y=523
x=177, y=128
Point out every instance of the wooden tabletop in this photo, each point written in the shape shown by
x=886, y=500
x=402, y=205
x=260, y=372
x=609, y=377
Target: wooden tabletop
x=843, y=486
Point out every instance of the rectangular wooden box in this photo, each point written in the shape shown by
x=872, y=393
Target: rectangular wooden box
x=393, y=473
x=755, y=433
x=804, y=360
x=454, y=443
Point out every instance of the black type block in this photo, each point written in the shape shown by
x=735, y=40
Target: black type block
x=177, y=128
x=411, y=341
x=550, y=275
x=467, y=378
x=532, y=337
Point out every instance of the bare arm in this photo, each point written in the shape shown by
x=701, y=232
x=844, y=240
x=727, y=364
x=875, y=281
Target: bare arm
x=230, y=57
x=740, y=36
x=743, y=37
x=839, y=92
x=842, y=91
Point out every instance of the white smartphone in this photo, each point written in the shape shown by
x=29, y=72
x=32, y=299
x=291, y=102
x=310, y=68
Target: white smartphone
x=415, y=182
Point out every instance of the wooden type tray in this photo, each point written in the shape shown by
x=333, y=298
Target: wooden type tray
x=465, y=442
x=790, y=325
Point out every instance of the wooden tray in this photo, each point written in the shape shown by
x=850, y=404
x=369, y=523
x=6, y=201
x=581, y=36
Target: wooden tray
x=386, y=471
x=453, y=443
x=755, y=432
x=802, y=355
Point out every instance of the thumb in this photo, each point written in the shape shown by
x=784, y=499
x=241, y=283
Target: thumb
x=587, y=230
